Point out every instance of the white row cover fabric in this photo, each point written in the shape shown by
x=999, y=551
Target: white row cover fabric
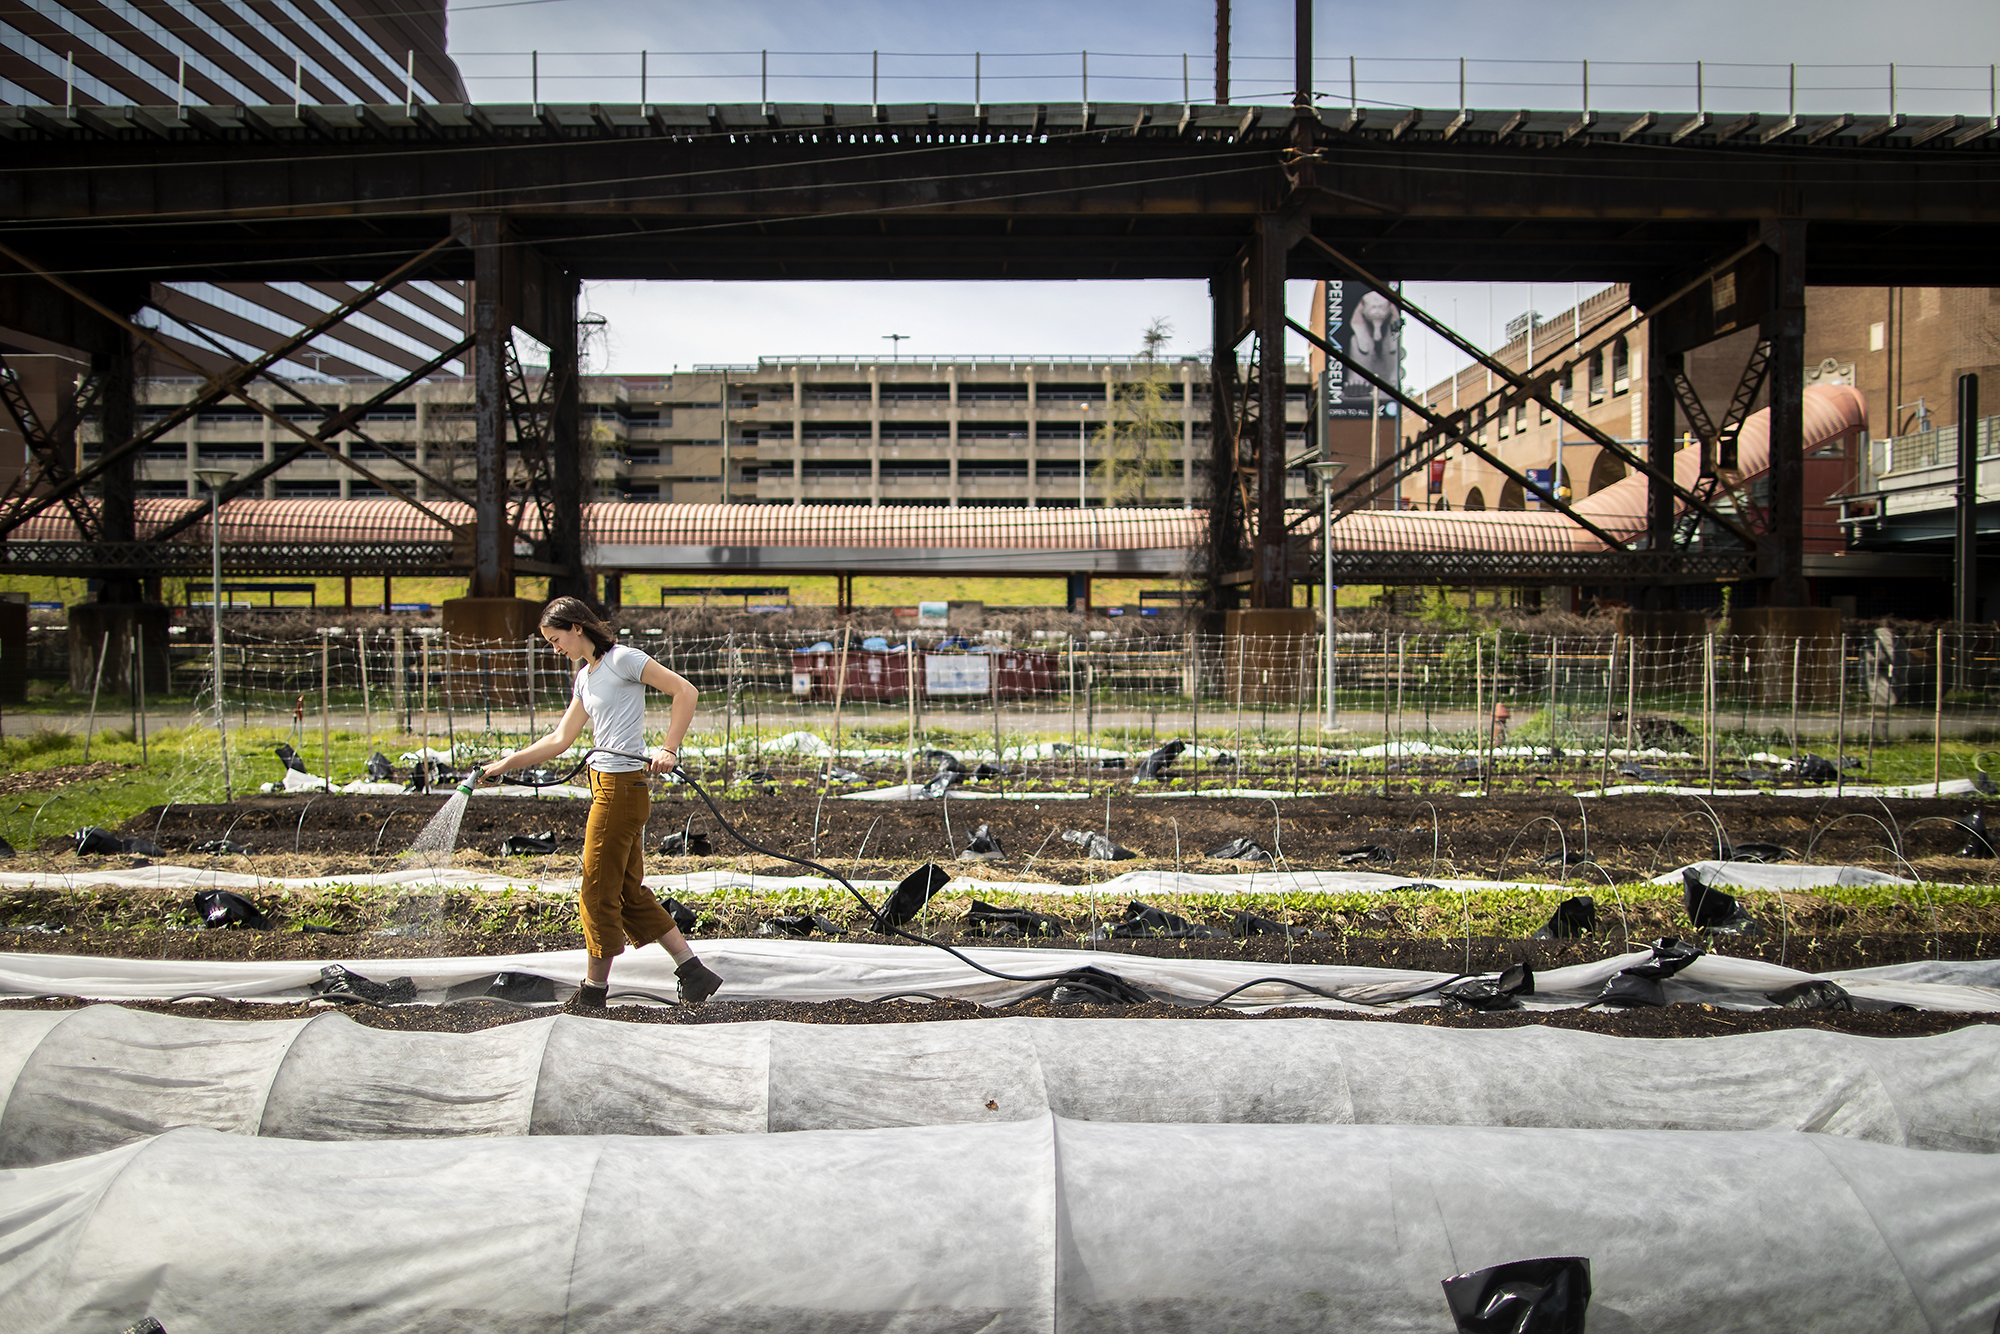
x=812, y=970
x=1020, y=1228
x=918, y=792
x=1126, y=885
x=84, y=1081
x=1757, y=875
x=1950, y=787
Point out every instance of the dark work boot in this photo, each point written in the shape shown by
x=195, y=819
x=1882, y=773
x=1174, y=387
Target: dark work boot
x=587, y=1000
x=698, y=983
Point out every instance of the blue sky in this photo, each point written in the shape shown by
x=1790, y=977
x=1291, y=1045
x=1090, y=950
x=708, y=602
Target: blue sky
x=1529, y=53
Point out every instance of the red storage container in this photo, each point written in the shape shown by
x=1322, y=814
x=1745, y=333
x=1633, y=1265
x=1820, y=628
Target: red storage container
x=877, y=674
x=1023, y=672
x=871, y=673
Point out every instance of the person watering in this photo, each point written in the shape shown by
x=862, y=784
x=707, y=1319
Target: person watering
x=610, y=694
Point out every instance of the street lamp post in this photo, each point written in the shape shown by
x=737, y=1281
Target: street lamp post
x=214, y=479
x=1327, y=471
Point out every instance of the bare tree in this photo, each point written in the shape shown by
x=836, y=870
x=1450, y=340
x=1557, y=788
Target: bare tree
x=1141, y=438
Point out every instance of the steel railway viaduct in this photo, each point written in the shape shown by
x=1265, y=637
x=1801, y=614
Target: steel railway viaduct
x=1717, y=224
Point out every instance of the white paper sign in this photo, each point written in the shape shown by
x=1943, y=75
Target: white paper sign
x=802, y=683
x=957, y=673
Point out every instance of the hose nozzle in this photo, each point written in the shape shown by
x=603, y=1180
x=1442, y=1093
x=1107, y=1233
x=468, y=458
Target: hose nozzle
x=470, y=783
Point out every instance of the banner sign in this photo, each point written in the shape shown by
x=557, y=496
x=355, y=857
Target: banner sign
x=1362, y=323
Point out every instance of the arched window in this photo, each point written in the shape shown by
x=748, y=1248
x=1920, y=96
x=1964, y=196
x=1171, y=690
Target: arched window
x=1621, y=365
x=1475, y=499
x=1597, y=376
x=1609, y=468
x=1513, y=497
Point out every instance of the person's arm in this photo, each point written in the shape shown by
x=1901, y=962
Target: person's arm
x=564, y=735
x=683, y=694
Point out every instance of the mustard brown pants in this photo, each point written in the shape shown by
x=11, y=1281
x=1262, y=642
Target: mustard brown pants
x=614, y=902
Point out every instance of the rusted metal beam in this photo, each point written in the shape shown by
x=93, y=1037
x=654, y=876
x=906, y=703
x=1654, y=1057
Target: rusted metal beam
x=1785, y=328
x=1465, y=441
x=562, y=533
x=1537, y=389
x=1273, y=587
x=340, y=421
x=229, y=383
x=1225, y=519
x=492, y=540
x=740, y=204
x=297, y=395
x=117, y=516
x=1662, y=365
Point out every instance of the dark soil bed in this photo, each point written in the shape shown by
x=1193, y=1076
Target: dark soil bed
x=1673, y=1021
x=1499, y=837
x=62, y=775
x=1630, y=837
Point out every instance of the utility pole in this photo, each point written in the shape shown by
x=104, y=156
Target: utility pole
x=1966, y=554
x=1222, y=53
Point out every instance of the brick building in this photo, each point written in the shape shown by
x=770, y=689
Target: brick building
x=1903, y=347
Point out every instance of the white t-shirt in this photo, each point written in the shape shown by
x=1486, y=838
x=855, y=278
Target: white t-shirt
x=615, y=699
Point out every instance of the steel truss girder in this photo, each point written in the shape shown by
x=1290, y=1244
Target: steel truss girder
x=1536, y=389
x=96, y=559
x=1512, y=569
x=320, y=439
x=1718, y=441
x=533, y=414
x=229, y=383
x=1412, y=456
x=1450, y=427
x=51, y=448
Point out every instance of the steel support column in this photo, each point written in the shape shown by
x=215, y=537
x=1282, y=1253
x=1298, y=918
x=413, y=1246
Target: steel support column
x=119, y=516
x=1785, y=328
x=1225, y=533
x=1271, y=577
x=567, y=482
x=492, y=545
x=1661, y=366
x=1965, y=547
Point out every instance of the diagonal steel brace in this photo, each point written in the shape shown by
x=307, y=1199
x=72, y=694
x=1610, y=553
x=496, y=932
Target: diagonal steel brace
x=1537, y=389
x=228, y=383
x=333, y=425
x=353, y=419
x=1458, y=437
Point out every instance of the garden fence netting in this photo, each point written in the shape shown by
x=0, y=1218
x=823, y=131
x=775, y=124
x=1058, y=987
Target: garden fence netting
x=1717, y=709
